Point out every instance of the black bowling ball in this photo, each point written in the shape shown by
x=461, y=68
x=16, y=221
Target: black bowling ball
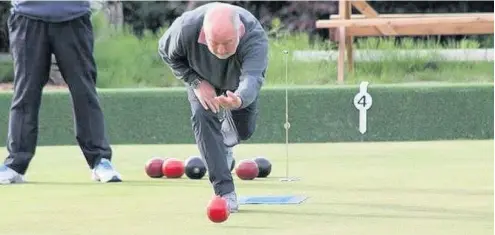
x=264, y=166
x=195, y=168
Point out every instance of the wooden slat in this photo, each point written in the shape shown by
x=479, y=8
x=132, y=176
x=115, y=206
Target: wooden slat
x=431, y=29
x=348, y=39
x=359, y=16
x=402, y=21
x=373, y=24
x=369, y=12
x=342, y=40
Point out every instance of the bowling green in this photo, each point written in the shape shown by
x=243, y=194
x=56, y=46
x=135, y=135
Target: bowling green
x=429, y=188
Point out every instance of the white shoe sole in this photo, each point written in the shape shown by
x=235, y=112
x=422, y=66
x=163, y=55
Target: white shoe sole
x=5, y=182
x=112, y=179
x=16, y=180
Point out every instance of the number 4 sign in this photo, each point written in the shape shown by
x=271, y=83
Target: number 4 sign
x=362, y=102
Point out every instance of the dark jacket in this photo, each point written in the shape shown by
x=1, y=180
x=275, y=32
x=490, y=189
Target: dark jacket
x=51, y=11
x=243, y=73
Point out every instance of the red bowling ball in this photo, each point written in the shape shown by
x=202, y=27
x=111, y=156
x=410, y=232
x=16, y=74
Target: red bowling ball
x=247, y=169
x=173, y=168
x=217, y=210
x=153, y=167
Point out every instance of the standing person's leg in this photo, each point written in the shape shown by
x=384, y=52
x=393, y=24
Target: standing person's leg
x=72, y=43
x=206, y=126
x=31, y=55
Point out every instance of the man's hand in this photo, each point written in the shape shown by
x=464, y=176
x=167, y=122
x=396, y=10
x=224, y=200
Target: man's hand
x=231, y=101
x=206, y=95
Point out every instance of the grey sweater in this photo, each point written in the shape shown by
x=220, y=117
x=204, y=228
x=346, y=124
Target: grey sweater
x=243, y=73
x=51, y=11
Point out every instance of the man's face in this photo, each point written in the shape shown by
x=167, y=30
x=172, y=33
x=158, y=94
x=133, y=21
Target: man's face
x=223, y=46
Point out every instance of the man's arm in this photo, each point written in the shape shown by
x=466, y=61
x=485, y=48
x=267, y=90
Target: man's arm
x=171, y=50
x=254, y=62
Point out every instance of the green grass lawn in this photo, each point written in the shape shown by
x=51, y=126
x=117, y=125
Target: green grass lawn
x=353, y=188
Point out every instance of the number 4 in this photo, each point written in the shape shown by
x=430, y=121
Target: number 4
x=362, y=101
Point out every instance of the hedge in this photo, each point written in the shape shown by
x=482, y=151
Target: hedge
x=316, y=114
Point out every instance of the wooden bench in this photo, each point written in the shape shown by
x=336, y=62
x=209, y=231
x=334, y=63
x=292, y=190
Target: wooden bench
x=370, y=23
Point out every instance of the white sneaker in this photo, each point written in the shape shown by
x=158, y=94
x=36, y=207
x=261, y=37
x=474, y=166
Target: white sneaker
x=231, y=199
x=104, y=172
x=9, y=176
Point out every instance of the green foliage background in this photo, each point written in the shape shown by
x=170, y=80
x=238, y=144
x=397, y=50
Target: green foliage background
x=125, y=60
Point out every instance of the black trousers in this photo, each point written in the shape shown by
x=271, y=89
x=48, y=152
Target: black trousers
x=207, y=128
x=32, y=43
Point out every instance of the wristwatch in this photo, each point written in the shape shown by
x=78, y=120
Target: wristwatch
x=195, y=83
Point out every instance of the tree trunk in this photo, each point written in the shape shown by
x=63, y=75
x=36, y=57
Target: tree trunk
x=114, y=13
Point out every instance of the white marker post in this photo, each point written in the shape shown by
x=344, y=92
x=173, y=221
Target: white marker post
x=287, y=123
x=362, y=102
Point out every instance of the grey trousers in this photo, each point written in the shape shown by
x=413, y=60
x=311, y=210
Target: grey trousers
x=207, y=128
x=32, y=43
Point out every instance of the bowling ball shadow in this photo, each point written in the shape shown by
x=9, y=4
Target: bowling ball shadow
x=135, y=183
x=252, y=226
x=182, y=182
x=249, y=227
x=60, y=183
x=254, y=211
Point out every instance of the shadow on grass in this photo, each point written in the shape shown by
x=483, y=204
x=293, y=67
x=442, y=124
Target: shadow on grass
x=272, y=183
x=426, y=191
x=304, y=185
x=453, y=216
x=135, y=183
x=413, y=209
x=250, y=227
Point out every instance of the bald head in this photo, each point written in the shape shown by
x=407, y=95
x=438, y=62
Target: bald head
x=222, y=28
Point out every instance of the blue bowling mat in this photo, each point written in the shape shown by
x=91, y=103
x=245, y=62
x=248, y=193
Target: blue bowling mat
x=285, y=199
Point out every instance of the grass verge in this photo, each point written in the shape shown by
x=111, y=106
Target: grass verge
x=353, y=188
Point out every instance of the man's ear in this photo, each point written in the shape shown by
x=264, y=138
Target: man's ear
x=242, y=30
